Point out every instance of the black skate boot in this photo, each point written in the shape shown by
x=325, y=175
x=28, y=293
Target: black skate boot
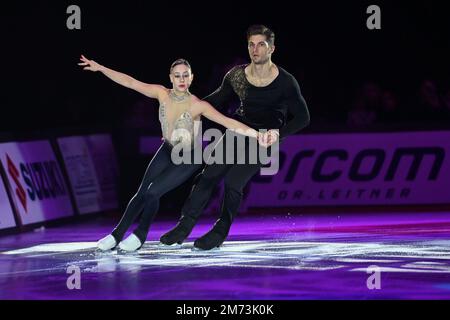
x=214, y=237
x=180, y=232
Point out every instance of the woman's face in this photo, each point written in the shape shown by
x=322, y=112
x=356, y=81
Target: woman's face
x=181, y=77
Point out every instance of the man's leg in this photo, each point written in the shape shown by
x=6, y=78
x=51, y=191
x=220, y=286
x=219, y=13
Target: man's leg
x=200, y=194
x=235, y=181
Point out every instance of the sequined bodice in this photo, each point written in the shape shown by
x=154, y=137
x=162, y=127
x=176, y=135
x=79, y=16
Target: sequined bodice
x=181, y=131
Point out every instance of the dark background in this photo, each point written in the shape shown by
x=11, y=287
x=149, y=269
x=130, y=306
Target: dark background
x=325, y=45
x=353, y=78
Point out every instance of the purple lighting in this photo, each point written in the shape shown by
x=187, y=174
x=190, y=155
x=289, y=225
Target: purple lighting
x=289, y=257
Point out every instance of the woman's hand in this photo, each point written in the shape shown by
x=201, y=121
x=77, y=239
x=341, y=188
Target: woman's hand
x=89, y=64
x=263, y=139
x=273, y=136
x=268, y=138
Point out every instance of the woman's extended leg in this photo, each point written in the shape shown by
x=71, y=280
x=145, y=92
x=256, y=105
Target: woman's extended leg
x=159, y=162
x=169, y=179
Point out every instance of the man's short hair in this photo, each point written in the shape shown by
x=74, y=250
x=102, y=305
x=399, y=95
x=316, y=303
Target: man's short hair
x=257, y=29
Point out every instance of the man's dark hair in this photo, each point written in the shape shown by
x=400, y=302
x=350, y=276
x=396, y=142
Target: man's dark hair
x=178, y=62
x=263, y=30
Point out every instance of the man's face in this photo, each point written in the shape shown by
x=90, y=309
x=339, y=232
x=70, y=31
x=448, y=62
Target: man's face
x=259, y=49
x=181, y=77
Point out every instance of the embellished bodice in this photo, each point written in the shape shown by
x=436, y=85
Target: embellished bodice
x=180, y=131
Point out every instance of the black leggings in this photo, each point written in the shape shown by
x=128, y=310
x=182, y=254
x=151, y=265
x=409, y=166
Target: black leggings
x=161, y=176
x=236, y=178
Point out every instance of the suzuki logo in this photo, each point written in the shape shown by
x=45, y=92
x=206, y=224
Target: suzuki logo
x=14, y=173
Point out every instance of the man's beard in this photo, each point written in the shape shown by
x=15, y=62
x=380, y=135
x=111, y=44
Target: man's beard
x=261, y=61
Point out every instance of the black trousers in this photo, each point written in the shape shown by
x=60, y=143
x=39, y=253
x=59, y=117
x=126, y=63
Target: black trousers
x=161, y=176
x=236, y=178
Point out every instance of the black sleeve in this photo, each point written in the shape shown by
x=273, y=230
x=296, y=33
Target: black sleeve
x=222, y=95
x=297, y=108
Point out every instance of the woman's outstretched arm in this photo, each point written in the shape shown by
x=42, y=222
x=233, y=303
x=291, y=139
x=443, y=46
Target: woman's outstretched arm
x=150, y=90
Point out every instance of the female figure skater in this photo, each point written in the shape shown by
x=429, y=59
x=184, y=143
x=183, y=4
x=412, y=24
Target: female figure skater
x=177, y=112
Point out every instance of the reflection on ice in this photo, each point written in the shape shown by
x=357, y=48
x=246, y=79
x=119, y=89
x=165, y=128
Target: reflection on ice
x=294, y=255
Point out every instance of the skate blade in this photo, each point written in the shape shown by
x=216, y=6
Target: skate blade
x=206, y=250
x=170, y=246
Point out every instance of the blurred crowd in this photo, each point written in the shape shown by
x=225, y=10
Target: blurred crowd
x=423, y=106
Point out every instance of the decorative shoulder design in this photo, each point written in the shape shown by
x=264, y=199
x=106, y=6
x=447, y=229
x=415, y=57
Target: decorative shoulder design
x=239, y=83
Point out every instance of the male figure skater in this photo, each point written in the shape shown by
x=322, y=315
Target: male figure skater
x=267, y=93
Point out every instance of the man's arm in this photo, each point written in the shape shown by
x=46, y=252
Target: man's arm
x=222, y=95
x=298, y=108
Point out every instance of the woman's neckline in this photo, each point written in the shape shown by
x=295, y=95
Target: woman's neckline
x=179, y=98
